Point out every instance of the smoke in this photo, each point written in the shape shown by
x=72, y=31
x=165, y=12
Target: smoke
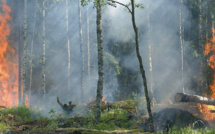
x=166, y=53
x=117, y=27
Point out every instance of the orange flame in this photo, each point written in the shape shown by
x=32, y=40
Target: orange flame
x=8, y=62
x=103, y=100
x=209, y=49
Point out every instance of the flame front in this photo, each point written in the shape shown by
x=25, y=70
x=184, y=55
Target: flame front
x=209, y=49
x=8, y=62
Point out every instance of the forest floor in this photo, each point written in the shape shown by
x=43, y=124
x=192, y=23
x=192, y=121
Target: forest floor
x=119, y=119
x=114, y=120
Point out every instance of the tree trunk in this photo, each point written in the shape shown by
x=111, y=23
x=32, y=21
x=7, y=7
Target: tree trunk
x=20, y=60
x=43, y=55
x=181, y=43
x=68, y=51
x=212, y=25
x=200, y=23
x=31, y=55
x=88, y=43
x=24, y=54
x=150, y=55
x=100, y=61
x=82, y=50
x=141, y=67
x=200, y=43
x=182, y=97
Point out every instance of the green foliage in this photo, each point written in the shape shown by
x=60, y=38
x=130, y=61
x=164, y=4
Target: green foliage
x=85, y=2
x=4, y=128
x=139, y=6
x=114, y=114
x=111, y=62
x=55, y=118
x=22, y=113
x=105, y=126
x=53, y=123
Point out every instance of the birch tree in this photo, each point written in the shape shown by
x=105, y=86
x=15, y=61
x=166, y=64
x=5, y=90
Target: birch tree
x=181, y=44
x=150, y=56
x=31, y=54
x=68, y=49
x=88, y=43
x=81, y=49
x=43, y=53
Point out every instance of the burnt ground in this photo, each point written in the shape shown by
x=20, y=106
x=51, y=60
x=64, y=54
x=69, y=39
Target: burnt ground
x=166, y=118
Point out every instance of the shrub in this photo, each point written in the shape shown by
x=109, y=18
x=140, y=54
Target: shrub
x=22, y=113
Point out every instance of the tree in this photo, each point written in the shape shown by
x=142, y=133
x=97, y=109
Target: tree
x=81, y=49
x=20, y=60
x=88, y=44
x=68, y=48
x=181, y=43
x=132, y=12
x=43, y=54
x=98, y=4
x=150, y=56
x=31, y=55
x=24, y=54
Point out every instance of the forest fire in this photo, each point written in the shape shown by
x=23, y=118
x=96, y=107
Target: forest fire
x=8, y=62
x=209, y=49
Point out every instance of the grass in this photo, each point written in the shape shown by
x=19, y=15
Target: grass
x=113, y=120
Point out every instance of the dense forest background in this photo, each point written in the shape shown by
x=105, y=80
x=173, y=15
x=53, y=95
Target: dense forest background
x=122, y=75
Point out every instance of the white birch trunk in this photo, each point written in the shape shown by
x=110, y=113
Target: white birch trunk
x=81, y=49
x=88, y=44
x=181, y=43
x=31, y=58
x=150, y=54
x=68, y=49
x=43, y=55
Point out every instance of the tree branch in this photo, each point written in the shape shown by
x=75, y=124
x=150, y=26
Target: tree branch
x=113, y=1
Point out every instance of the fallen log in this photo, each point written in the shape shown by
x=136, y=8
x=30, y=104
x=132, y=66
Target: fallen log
x=182, y=97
